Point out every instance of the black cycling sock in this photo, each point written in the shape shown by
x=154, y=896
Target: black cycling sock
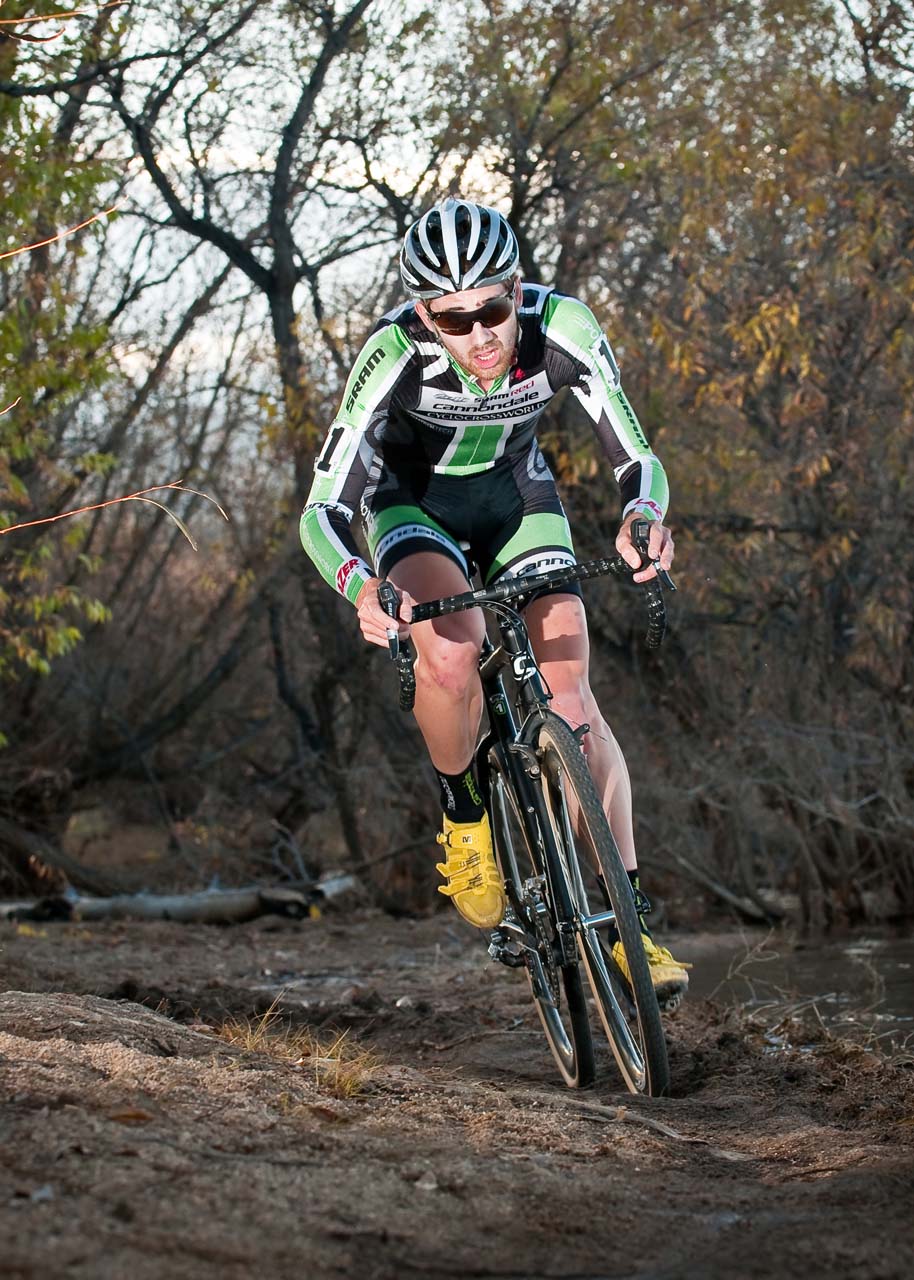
x=642, y=906
x=460, y=798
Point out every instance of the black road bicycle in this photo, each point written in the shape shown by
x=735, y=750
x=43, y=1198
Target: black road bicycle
x=564, y=878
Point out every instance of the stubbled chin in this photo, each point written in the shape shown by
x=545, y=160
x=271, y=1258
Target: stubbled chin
x=494, y=370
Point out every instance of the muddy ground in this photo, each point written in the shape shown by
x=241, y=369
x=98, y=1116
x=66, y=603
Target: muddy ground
x=138, y=1143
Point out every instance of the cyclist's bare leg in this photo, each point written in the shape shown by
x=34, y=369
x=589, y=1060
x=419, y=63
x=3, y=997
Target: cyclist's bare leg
x=558, y=633
x=448, y=692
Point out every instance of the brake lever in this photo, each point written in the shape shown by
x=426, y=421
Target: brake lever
x=641, y=541
x=402, y=654
x=390, y=603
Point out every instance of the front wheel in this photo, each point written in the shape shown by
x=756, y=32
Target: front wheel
x=593, y=867
x=556, y=988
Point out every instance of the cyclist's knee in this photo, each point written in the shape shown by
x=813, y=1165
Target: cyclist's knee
x=449, y=665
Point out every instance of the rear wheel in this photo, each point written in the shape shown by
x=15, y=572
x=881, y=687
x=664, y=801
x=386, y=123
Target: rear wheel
x=531, y=931
x=628, y=1010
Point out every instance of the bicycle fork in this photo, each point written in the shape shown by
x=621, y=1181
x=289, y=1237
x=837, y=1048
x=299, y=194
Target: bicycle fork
x=513, y=943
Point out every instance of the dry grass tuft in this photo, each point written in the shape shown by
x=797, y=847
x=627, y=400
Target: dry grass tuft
x=340, y=1067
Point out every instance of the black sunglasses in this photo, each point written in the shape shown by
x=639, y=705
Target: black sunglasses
x=460, y=323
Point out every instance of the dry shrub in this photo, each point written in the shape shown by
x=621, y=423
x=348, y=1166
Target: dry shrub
x=791, y=793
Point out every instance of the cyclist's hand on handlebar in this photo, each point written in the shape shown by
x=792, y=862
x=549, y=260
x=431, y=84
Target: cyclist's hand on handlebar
x=660, y=547
x=375, y=623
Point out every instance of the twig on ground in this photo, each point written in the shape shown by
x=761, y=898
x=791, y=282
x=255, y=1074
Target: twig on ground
x=624, y=1115
x=472, y=1035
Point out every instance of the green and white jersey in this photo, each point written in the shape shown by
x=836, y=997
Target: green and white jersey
x=409, y=406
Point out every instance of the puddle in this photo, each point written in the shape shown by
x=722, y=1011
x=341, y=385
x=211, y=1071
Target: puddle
x=861, y=986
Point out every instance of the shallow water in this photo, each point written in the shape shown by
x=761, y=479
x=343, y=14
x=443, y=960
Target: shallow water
x=860, y=985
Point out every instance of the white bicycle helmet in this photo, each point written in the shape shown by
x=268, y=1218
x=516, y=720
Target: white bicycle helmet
x=457, y=245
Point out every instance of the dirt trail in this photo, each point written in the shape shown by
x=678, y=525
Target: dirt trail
x=137, y=1144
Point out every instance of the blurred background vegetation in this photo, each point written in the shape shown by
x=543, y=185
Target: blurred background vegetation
x=728, y=185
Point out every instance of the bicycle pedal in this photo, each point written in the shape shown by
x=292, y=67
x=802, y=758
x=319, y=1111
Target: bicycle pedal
x=667, y=1004
x=499, y=949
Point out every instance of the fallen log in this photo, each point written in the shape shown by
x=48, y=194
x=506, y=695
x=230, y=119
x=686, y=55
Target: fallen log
x=209, y=906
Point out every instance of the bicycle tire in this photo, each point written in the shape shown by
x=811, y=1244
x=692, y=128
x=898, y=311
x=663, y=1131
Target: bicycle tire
x=639, y=1049
x=567, y=1030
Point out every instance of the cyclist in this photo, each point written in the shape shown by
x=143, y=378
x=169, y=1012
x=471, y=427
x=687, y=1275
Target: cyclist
x=435, y=444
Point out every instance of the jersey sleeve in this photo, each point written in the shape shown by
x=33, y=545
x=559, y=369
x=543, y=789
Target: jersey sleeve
x=342, y=467
x=581, y=358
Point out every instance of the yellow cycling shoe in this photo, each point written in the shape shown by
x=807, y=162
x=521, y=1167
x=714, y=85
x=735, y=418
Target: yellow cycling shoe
x=472, y=874
x=669, y=976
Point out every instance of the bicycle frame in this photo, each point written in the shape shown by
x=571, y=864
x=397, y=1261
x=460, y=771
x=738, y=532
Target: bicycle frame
x=512, y=740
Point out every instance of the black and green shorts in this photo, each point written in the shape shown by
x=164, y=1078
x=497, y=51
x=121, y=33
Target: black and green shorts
x=510, y=517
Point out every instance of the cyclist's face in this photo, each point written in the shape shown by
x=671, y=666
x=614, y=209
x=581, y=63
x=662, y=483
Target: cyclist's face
x=487, y=351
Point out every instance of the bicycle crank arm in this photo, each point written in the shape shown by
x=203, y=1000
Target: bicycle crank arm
x=538, y=981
